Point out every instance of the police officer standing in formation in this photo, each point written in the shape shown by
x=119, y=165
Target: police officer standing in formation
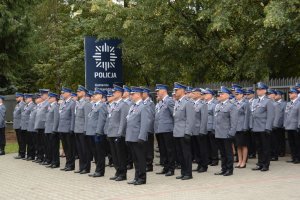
x=66, y=128
x=82, y=109
x=250, y=95
x=242, y=136
x=292, y=125
x=116, y=130
x=279, y=140
x=200, y=129
x=25, y=116
x=212, y=144
x=2, y=126
x=39, y=125
x=261, y=122
x=184, y=118
x=164, y=129
x=225, y=125
x=95, y=128
x=137, y=130
x=17, y=125
x=126, y=98
x=51, y=131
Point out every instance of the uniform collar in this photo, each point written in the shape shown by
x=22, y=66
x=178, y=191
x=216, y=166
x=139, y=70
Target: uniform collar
x=261, y=97
x=210, y=101
x=118, y=101
x=181, y=98
x=225, y=102
x=138, y=102
x=69, y=99
x=293, y=101
x=147, y=99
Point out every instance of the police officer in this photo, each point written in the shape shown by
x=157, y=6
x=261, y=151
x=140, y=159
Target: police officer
x=31, y=122
x=116, y=134
x=82, y=110
x=212, y=144
x=242, y=136
x=95, y=129
x=184, y=117
x=51, y=131
x=66, y=128
x=278, y=123
x=2, y=126
x=292, y=125
x=109, y=104
x=225, y=125
x=137, y=131
x=150, y=143
x=17, y=125
x=25, y=116
x=126, y=99
x=250, y=95
x=165, y=125
x=262, y=119
x=39, y=125
x=274, y=135
x=200, y=129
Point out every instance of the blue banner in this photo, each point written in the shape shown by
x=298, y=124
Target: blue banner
x=103, y=63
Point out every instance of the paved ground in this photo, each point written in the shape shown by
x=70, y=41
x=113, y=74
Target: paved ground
x=26, y=180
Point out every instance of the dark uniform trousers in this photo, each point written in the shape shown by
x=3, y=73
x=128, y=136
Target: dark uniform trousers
x=150, y=150
x=252, y=144
x=40, y=144
x=294, y=143
x=30, y=148
x=47, y=148
x=184, y=154
x=21, y=138
x=226, y=151
x=82, y=149
x=139, y=159
x=91, y=148
x=54, y=151
x=275, y=143
x=167, y=150
x=162, y=156
x=263, y=146
x=202, y=149
x=282, y=142
x=68, y=142
x=2, y=139
x=119, y=155
x=212, y=148
x=100, y=153
x=195, y=149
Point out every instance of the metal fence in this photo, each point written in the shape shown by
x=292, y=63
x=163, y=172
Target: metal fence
x=283, y=84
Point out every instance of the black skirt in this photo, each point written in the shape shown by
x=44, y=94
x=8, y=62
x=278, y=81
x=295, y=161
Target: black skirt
x=242, y=138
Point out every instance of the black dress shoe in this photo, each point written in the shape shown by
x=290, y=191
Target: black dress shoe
x=169, y=173
x=296, y=161
x=139, y=182
x=220, y=173
x=78, y=171
x=241, y=167
x=30, y=158
x=179, y=177
x=149, y=169
x=290, y=161
x=54, y=166
x=161, y=172
x=2, y=152
x=96, y=174
x=63, y=169
x=132, y=182
x=264, y=169
x=228, y=173
x=113, y=178
x=274, y=159
x=252, y=156
x=121, y=178
x=84, y=172
x=68, y=169
x=46, y=163
x=19, y=157
x=257, y=168
x=186, y=178
x=214, y=164
x=202, y=169
x=49, y=166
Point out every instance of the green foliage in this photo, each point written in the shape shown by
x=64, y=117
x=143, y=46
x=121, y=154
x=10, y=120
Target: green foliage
x=191, y=41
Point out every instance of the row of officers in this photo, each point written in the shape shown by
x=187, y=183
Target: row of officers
x=194, y=125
